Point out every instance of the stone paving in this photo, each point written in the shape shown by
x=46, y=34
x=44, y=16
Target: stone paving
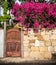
x=16, y=60
x=24, y=60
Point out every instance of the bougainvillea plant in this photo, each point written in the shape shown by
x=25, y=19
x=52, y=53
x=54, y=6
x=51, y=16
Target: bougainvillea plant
x=35, y=15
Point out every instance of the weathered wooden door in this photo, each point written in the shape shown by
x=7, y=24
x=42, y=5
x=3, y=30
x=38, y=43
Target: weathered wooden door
x=13, y=43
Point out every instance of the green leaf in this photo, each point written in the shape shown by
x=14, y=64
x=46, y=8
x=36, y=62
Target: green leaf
x=6, y=16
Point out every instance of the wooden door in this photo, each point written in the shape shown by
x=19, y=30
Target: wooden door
x=13, y=43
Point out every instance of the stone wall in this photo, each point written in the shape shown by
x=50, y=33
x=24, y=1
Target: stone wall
x=39, y=46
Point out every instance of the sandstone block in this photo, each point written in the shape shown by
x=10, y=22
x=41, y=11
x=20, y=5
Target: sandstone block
x=42, y=43
x=43, y=32
x=26, y=48
x=34, y=55
x=26, y=54
x=35, y=35
x=50, y=48
x=30, y=38
x=39, y=37
x=53, y=42
x=43, y=49
x=26, y=44
x=34, y=38
x=30, y=35
x=41, y=56
x=34, y=48
x=48, y=32
x=54, y=31
x=54, y=48
x=53, y=36
x=46, y=37
x=48, y=55
x=31, y=54
x=32, y=41
x=25, y=37
x=47, y=43
x=26, y=41
x=31, y=44
x=25, y=33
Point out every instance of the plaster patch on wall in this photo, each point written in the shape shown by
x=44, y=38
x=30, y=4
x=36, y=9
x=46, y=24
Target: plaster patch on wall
x=1, y=43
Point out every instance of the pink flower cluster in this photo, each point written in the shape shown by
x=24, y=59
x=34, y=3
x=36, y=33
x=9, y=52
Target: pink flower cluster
x=35, y=15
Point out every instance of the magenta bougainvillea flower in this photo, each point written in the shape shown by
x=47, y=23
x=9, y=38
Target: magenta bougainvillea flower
x=35, y=15
x=36, y=24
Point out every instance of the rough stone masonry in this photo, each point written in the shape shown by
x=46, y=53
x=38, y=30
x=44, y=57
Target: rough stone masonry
x=39, y=46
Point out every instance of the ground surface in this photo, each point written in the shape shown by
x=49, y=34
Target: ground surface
x=24, y=61
x=27, y=63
